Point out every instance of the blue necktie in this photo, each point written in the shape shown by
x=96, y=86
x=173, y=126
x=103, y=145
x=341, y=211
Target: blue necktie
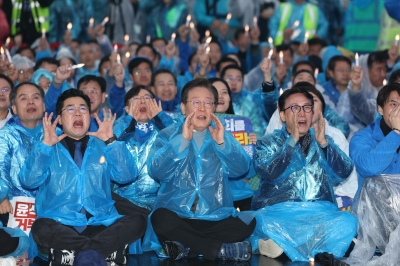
x=78, y=160
x=78, y=154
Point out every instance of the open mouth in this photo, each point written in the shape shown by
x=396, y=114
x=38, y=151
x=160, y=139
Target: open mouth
x=78, y=123
x=302, y=122
x=201, y=117
x=31, y=110
x=221, y=102
x=143, y=110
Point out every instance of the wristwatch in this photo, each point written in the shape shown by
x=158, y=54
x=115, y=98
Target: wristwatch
x=111, y=140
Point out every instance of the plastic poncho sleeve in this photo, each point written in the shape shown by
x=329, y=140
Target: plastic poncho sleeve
x=5, y=163
x=276, y=160
x=120, y=164
x=361, y=107
x=167, y=64
x=336, y=120
x=339, y=162
x=50, y=99
x=116, y=99
x=230, y=155
x=373, y=158
x=36, y=168
x=162, y=120
x=165, y=158
x=253, y=79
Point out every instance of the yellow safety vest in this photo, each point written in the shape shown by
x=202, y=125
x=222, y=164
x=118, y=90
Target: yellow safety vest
x=310, y=20
x=40, y=16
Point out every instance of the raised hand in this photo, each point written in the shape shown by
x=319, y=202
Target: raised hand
x=188, y=127
x=49, y=130
x=105, y=130
x=62, y=73
x=5, y=207
x=319, y=128
x=119, y=75
x=265, y=67
x=153, y=108
x=217, y=134
x=194, y=36
x=356, y=77
x=255, y=35
x=133, y=109
x=394, y=118
x=252, y=138
x=223, y=29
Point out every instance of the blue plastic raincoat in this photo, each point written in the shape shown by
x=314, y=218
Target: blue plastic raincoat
x=204, y=173
x=15, y=146
x=64, y=188
x=143, y=191
x=301, y=187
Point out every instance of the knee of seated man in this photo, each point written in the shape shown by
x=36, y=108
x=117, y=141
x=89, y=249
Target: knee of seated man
x=160, y=216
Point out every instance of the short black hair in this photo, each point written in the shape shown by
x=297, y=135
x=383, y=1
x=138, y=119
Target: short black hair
x=135, y=62
x=9, y=81
x=102, y=61
x=13, y=93
x=224, y=59
x=203, y=83
x=223, y=72
x=159, y=39
x=135, y=91
x=48, y=60
x=304, y=71
x=99, y=80
x=312, y=89
x=148, y=46
x=230, y=108
x=296, y=66
x=162, y=71
x=284, y=47
x=395, y=76
x=238, y=32
x=377, y=57
x=70, y=94
x=26, y=48
x=294, y=90
x=384, y=93
x=316, y=41
x=77, y=41
x=337, y=58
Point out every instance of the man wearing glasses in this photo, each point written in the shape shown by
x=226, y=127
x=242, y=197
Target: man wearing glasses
x=298, y=165
x=73, y=172
x=192, y=160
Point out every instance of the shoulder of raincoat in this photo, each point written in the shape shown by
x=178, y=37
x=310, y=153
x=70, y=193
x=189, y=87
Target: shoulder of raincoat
x=64, y=188
x=192, y=174
x=143, y=191
x=15, y=146
x=288, y=176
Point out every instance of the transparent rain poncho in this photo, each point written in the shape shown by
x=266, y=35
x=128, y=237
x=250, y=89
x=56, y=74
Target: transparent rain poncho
x=64, y=188
x=143, y=191
x=295, y=202
x=194, y=174
x=378, y=211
